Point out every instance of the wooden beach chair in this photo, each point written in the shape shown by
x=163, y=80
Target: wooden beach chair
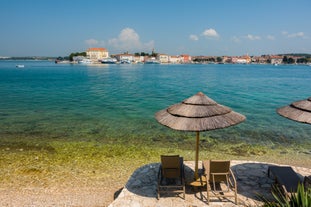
x=285, y=178
x=307, y=182
x=171, y=176
x=221, y=182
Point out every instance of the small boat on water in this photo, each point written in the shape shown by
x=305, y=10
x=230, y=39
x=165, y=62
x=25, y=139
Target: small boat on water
x=20, y=66
x=152, y=61
x=85, y=61
x=109, y=61
x=125, y=61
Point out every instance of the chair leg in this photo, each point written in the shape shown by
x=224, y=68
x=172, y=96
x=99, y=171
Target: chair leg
x=158, y=193
x=207, y=192
x=235, y=197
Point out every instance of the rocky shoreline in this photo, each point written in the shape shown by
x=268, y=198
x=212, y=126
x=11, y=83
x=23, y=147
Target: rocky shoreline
x=252, y=178
x=139, y=190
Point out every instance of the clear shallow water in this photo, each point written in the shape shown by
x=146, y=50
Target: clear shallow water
x=118, y=102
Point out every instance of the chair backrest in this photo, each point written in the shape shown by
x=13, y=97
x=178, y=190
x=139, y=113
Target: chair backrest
x=307, y=182
x=219, y=166
x=171, y=166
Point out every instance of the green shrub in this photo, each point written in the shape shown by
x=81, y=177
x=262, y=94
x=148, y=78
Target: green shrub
x=300, y=199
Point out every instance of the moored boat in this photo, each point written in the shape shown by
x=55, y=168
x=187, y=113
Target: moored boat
x=109, y=61
x=125, y=61
x=85, y=61
x=152, y=61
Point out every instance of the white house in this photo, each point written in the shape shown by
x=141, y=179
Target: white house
x=163, y=58
x=125, y=57
x=175, y=59
x=96, y=54
x=276, y=59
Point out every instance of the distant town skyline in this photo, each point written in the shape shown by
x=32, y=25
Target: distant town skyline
x=215, y=28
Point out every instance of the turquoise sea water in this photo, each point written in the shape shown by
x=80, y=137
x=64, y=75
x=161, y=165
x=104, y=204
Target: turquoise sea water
x=110, y=103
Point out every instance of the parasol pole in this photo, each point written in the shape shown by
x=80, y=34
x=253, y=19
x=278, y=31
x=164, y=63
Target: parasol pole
x=196, y=176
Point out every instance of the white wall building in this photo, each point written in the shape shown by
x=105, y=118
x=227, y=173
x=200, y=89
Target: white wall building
x=163, y=58
x=175, y=59
x=96, y=54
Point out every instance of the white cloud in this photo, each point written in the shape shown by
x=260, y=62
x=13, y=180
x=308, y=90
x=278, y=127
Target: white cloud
x=210, y=33
x=194, y=37
x=235, y=39
x=298, y=34
x=94, y=43
x=252, y=37
x=128, y=39
x=294, y=35
x=91, y=42
x=284, y=33
x=270, y=37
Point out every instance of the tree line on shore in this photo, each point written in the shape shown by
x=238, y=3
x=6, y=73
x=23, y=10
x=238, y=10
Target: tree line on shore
x=294, y=58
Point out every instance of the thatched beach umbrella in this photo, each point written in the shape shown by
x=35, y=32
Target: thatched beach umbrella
x=198, y=113
x=298, y=111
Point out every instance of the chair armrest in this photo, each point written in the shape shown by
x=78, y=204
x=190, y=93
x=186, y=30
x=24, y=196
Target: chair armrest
x=220, y=173
x=233, y=178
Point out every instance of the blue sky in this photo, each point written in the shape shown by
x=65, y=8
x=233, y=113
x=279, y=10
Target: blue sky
x=195, y=27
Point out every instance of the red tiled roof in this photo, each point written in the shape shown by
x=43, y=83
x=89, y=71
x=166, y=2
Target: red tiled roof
x=97, y=49
x=276, y=57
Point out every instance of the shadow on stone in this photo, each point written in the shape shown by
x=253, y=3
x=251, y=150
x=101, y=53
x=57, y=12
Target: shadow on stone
x=117, y=193
x=252, y=180
x=144, y=180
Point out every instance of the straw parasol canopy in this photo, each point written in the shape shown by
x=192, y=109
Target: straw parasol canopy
x=298, y=111
x=198, y=113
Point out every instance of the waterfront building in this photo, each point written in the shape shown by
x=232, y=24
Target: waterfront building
x=276, y=59
x=186, y=58
x=139, y=59
x=163, y=58
x=175, y=59
x=96, y=54
x=125, y=57
x=241, y=59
